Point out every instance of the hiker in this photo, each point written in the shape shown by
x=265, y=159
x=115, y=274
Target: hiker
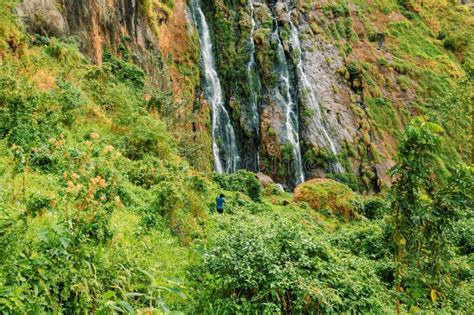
x=220, y=203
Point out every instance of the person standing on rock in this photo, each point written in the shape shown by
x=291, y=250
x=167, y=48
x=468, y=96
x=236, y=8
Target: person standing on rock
x=220, y=203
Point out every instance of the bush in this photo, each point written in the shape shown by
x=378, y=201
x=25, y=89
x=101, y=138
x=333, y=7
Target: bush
x=144, y=173
x=29, y=119
x=374, y=208
x=176, y=203
x=243, y=181
x=37, y=204
x=365, y=239
x=279, y=267
x=463, y=236
x=125, y=72
x=146, y=137
x=457, y=43
x=327, y=193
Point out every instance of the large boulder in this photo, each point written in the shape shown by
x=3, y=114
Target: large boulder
x=323, y=193
x=265, y=180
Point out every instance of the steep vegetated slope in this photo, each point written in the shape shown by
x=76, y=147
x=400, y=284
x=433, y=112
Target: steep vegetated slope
x=86, y=167
x=106, y=195
x=155, y=36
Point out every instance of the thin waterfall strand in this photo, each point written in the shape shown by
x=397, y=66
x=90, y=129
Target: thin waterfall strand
x=254, y=82
x=311, y=96
x=224, y=147
x=291, y=113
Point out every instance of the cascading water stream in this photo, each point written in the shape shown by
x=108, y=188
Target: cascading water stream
x=318, y=120
x=254, y=83
x=290, y=110
x=224, y=146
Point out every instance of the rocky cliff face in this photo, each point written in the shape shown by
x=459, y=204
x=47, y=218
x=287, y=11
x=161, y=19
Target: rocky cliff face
x=347, y=76
x=298, y=67
x=116, y=26
x=97, y=25
x=312, y=88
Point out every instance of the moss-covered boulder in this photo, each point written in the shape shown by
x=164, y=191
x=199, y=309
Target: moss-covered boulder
x=323, y=193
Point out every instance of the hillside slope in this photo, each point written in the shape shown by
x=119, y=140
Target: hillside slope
x=107, y=199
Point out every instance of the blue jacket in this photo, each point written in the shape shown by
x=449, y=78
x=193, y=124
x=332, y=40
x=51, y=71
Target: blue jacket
x=220, y=202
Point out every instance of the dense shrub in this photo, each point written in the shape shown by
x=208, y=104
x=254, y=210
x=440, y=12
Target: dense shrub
x=37, y=204
x=374, y=208
x=144, y=173
x=463, y=236
x=268, y=268
x=176, y=203
x=241, y=203
x=125, y=72
x=243, y=181
x=456, y=42
x=146, y=137
x=29, y=119
x=367, y=239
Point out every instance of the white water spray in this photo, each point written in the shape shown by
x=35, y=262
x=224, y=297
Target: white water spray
x=254, y=83
x=318, y=120
x=224, y=147
x=291, y=111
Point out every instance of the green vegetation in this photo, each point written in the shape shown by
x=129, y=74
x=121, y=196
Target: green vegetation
x=265, y=265
x=10, y=34
x=100, y=212
x=327, y=194
x=157, y=12
x=242, y=181
x=403, y=59
x=424, y=210
x=82, y=167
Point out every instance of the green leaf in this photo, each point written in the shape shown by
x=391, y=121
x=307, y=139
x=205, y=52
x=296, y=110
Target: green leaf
x=108, y=295
x=133, y=294
x=178, y=291
x=127, y=306
x=433, y=295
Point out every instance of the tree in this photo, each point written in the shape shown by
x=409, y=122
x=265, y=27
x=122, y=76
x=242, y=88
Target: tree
x=424, y=208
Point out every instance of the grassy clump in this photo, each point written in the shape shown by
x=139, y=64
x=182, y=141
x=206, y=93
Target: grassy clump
x=157, y=13
x=11, y=34
x=328, y=194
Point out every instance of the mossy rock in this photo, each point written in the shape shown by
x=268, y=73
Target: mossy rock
x=323, y=193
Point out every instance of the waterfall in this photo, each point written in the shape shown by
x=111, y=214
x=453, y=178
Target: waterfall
x=224, y=146
x=318, y=120
x=254, y=84
x=283, y=94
